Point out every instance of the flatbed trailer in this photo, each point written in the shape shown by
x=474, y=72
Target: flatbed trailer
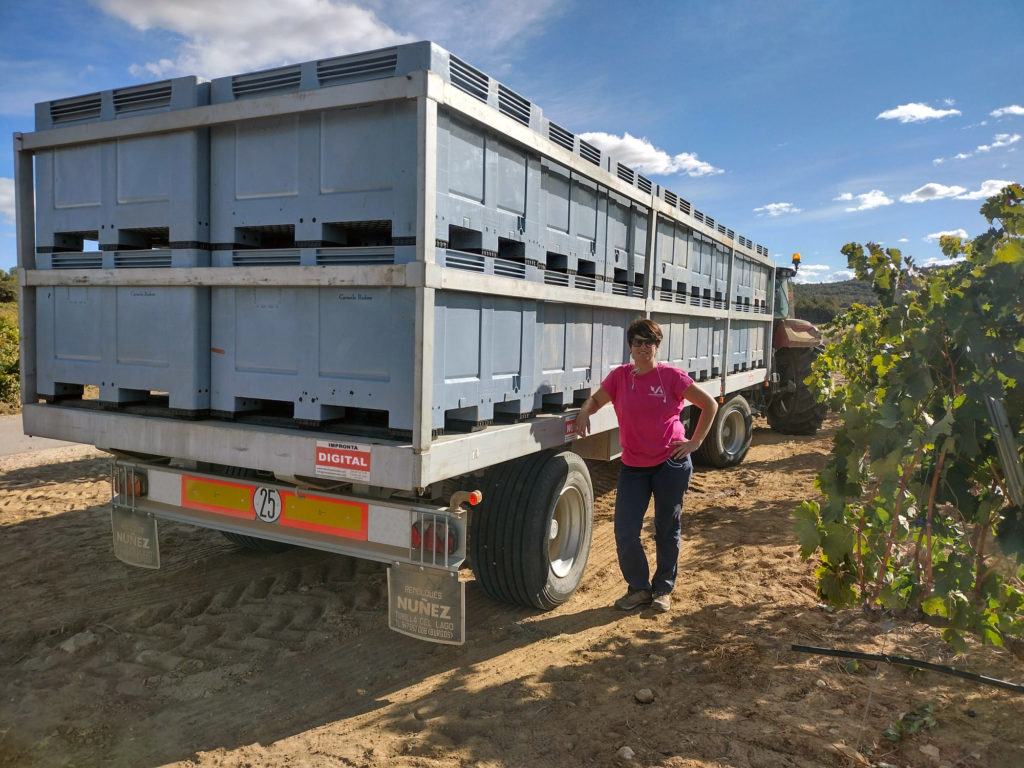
x=331, y=304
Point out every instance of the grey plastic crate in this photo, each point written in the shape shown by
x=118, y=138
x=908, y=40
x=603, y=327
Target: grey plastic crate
x=746, y=345
x=312, y=353
x=132, y=193
x=337, y=178
x=693, y=344
x=131, y=343
x=484, y=364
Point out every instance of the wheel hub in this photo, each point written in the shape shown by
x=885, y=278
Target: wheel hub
x=565, y=533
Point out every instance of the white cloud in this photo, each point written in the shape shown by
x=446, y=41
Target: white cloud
x=915, y=113
x=224, y=37
x=876, y=198
x=934, y=237
x=643, y=156
x=987, y=189
x=7, y=200
x=840, y=275
x=1000, y=140
x=935, y=261
x=903, y=240
x=220, y=37
x=931, y=191
x=777, y=209
x=1014, y=109
x=810, y=274
x=814, y=269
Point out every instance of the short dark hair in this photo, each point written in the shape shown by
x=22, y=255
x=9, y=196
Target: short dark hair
x=645, y=329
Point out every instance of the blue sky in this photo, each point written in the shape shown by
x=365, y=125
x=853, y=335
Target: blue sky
x=801, y=124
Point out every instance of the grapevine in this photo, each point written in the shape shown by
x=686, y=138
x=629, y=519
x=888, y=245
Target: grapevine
x=917, y=516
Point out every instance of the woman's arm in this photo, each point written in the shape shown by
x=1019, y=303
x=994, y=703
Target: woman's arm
x=708, y=408
x=591, y=405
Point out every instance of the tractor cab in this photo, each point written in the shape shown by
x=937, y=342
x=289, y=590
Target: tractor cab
x=788, y=331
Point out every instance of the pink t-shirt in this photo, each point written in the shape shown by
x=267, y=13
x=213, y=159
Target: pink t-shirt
x=648, y=409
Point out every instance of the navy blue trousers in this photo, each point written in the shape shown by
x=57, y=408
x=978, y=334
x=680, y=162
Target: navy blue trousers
x=667, y=482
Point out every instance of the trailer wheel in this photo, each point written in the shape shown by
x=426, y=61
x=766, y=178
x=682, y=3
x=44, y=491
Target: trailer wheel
x=256, y=544
x=731, y=432
x=530, y=539
x=797, y=412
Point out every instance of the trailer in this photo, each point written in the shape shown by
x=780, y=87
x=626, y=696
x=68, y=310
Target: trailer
x=354, y=304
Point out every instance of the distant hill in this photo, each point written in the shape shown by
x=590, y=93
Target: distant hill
x=820, y=302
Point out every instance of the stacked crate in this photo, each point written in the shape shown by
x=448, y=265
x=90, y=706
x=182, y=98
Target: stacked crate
x=144, y=202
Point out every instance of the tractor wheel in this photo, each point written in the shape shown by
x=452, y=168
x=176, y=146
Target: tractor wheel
x=530, y=539
x=796, y=412
x=729, y=439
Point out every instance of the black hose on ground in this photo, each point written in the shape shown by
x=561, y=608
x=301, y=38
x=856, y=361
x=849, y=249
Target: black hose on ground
x=903, y=661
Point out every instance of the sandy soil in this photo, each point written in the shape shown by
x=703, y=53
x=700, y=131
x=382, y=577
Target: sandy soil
x=232, y=659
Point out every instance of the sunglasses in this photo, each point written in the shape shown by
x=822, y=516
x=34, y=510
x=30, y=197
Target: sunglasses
x=644, y=343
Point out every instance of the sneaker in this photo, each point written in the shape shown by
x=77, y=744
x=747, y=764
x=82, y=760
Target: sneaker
x=662, y=603
x=634, y=598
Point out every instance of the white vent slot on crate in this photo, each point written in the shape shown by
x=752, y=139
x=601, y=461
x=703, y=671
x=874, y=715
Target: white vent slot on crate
x=77, y=108
x=355, y=256
x=698, y=216
x=709, y=221
x=91, y=260
x=585, y=283
x=351, y=68
x=283, y=258
x=268, y=81
x=507, y=268
x=143, y=259
x=471, y=262
x=467, y=78
x=670, y=197
x=149, y=97
x=590, y=152
x=684, y=206
x=721, y=229
x=644, y=185
x=624, y=173
x=513, y=105
x=730, y=234
x=560, y=136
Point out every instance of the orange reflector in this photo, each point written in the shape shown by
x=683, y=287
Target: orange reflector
x=218, y=496
x=317, y=513
x=475, y=498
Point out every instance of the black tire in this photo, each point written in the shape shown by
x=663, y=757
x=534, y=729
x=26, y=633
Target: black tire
x=729, y=439
x=256, y=544
x=530, y=538
x=797, y=412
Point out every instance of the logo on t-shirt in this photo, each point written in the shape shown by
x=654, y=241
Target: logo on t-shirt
x=657, y=391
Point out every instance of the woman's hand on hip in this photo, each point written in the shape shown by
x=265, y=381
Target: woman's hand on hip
x=681, y=448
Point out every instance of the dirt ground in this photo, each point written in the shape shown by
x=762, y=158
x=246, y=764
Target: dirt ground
x=232, y=659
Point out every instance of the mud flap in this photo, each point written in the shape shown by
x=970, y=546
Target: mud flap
x=136, y=541
x=427, y=603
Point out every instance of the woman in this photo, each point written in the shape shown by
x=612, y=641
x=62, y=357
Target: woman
x=648, y=397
